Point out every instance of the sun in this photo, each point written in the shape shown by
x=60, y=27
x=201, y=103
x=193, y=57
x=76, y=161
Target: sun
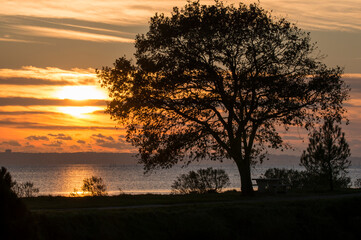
x=81, y=93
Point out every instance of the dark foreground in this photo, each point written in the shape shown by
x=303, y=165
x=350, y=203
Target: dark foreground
x=213, y=216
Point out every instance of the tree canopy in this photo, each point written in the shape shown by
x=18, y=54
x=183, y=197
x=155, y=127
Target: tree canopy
x=216, y=82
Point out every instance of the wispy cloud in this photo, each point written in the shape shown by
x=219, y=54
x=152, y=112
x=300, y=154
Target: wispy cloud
x=19, y=101
x=70, y=34
x=61, y=136
x=39, y=126
x=312, y=14
x=109, y=142
x=37, y=138
x=11, y=143
x=33, y=81
x=14, y=40
x=39, y=75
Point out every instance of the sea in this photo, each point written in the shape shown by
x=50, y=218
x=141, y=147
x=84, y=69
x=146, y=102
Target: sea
x=63, y=174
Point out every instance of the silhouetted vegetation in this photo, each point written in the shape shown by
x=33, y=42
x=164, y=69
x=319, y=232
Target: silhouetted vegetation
x=15, y=220
x=292, y=179
x=326, y=158
x=26, y=189
x=216, y=81
x=94, y=186
x=357, y=183
x=203, y=181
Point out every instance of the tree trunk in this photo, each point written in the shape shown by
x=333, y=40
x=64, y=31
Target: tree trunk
x=244, y=169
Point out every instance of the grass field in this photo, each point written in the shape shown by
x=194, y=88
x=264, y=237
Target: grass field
x=210, y=216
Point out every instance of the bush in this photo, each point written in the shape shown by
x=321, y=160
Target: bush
x=357, y=183
x=94, y=186
x=202, y=181
x=26, y=189
x=292, y=178
x=303, y=179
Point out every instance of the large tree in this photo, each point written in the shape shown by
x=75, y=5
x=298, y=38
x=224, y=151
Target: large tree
x=326, y=158
x=216, y=82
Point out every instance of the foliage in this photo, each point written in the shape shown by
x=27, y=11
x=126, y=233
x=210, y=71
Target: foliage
x=202, y=181
x=215, y=82
x=15, y=219
x=326, y=158
x=293, y=179
x=357, y=183
x=26, y=189
x=94, y=186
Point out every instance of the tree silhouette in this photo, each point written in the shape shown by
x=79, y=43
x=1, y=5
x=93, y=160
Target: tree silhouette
x=215, y=82
x=15, y=219
x=326, y=157
x=95, y=186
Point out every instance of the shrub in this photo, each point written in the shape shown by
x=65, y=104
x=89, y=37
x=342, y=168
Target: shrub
x=357, y=183
x=292, y=178
x=202, y=181
x=26, y=189
x=303, y=179
x=94, y=186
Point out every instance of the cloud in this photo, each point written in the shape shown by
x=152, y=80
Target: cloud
x=354, y=81
x=101, y=136
x=109, y=11
x=113, y=145
x=109, y=142
x=54, y=144
x=27, y=101
x=32, y=82
x=292, y=138
x=29, y=75
x=70, y=34
x=28, y=113
x=11, y=143
x=35, y=125
x=81, y=141
x=61, y=136
x=311, y=14
x=37, y=138
x=14, y=40
x=74, y=147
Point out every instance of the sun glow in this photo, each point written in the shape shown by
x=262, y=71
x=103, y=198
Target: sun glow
x=81, y=93
x=79, y=112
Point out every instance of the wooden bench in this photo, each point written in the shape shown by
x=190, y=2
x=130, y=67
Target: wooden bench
x=270, y=185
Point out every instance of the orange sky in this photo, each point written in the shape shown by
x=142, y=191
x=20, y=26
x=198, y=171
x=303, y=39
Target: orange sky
x=50, y=100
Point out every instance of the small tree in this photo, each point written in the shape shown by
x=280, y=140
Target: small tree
x=26, y=189
x=357, y=183
x=326, y=158
x=94, y=186
x=202, y=181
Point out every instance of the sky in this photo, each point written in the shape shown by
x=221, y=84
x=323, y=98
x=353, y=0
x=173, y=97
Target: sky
x=50, y=98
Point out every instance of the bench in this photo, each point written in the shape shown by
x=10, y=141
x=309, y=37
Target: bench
x=270, y=185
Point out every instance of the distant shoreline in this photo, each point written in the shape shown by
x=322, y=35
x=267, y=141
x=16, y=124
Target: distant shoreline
x=117, y=158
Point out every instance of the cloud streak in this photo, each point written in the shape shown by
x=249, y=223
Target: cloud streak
x=35, y=125
x=70, y=34
x=37, y=138
x=29, y=75
x=319, y=14
x=20, y=101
